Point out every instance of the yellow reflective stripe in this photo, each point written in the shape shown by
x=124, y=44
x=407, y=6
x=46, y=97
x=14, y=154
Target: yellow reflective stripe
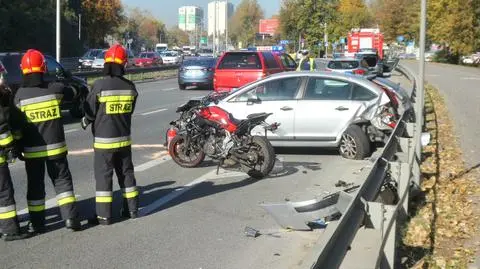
x=112, y=145
x=311, y=64
x=104, y=199
x=131, y=194
x=33, y=69
x=66, y=200
x=6, y=141
x=8, y=215
x=111, y=60
x=45, y=153
x=36, y=208
x=121, y=107
x=41, y=105
x=116, y=98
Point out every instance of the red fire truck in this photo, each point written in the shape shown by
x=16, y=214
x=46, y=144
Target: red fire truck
x=365, y=39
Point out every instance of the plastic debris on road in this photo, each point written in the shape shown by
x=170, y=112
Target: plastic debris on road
x=250, y=232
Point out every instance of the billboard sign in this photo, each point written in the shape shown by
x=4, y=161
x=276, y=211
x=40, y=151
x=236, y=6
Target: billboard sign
x=268, y=26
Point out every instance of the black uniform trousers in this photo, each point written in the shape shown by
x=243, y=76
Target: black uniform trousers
x=105, y=163
x=59, y=173
x=8, y=213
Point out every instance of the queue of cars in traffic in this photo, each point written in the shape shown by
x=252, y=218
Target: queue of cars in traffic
x=94, y=59
x=349, y=105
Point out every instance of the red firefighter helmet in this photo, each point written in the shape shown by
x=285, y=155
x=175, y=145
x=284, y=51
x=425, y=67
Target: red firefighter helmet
x=33, y=61
x=116, y=54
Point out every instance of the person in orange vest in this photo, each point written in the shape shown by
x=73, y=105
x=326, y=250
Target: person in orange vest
x=37, y=123
x=109, y=106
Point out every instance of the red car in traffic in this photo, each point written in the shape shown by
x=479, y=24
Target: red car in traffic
x=148, y=59
x=237, y=68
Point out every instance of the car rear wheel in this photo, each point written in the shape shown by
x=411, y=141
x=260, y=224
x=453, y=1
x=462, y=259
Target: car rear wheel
x=354, y=143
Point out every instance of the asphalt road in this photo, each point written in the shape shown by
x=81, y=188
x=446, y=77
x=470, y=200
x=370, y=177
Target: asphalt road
x=459, y=86
x=193, y=217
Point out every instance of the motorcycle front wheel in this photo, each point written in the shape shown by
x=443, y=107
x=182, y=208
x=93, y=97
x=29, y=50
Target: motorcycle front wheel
x=263, y=152
x=185, y=157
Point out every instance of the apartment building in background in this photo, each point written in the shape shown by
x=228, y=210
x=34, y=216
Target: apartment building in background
x=219, y=12
x=190, y=18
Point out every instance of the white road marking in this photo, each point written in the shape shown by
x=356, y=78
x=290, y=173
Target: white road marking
x=50, y=203
x=169, y=89
x=470, y=78
x=153, y=112
x=145, y=166
x=71, y=131
x=181, y=190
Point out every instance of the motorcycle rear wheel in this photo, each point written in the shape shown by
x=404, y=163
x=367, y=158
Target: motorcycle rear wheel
x=266, y=153
x=174, y=149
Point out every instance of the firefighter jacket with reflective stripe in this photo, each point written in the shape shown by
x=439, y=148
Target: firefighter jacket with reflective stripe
x=306, y=66
x=110, y=105
x=37, y=115
x=6, y=137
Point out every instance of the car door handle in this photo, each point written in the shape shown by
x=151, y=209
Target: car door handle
x=341, y=108
x=286, y=108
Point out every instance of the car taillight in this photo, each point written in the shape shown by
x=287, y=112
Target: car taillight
x=359, y=71
x=391, y=96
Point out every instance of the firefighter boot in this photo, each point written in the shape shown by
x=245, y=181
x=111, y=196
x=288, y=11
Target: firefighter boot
x=73, y=224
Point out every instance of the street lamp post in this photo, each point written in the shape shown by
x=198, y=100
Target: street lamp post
x=226, y=25
x=58, y=32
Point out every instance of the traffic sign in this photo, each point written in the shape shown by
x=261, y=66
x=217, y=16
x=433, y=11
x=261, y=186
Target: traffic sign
x=203, y=40
x=342, y=40
x=284, y=42
x=400, y=38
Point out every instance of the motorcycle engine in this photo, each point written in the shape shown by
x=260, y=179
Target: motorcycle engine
x=213, y=145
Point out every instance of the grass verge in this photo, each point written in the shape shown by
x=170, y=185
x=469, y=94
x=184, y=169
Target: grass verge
x=445, y=216
x=164, y=74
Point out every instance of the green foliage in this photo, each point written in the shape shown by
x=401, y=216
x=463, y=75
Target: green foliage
x=245, y=21
x=454, y=24
x=31, y=24
x=177, y=37
x=398, y=17
x=143, y=28
x=100, y=17
x=351, y=14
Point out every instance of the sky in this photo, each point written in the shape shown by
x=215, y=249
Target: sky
x=167, y=10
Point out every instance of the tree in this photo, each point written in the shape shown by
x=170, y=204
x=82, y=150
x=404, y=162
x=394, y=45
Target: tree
x=351, y=14
x=245, y=21
x=177, y=37
x=454, y=24
x=100, y=17
x=31, y=24
x=306, y=19
x=142, y=27
x=398, y=17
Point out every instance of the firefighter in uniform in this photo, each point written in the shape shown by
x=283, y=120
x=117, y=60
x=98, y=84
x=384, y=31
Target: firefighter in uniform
x=307, y=63
x=109, y=106
x=8, y=214
x=36, y=120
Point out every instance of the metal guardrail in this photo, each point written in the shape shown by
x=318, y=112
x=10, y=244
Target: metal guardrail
x=365, y=234
x=129, y=71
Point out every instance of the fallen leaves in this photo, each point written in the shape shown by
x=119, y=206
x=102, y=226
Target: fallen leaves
x=445, y=218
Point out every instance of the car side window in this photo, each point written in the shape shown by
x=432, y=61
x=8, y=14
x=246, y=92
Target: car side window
x=53, y=68
x=327, y=89
x=360, y=93
x=270, y=60
x=273, y=90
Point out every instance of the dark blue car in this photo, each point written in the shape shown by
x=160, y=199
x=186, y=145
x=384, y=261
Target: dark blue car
x=196, y=71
